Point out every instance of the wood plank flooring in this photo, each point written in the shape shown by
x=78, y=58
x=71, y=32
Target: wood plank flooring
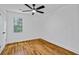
x=35, y=47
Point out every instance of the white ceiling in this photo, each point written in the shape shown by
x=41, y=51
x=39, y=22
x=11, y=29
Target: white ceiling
x=18, y=6
x=15, y=7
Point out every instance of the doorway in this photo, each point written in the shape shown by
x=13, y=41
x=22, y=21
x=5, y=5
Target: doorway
x=2, y=29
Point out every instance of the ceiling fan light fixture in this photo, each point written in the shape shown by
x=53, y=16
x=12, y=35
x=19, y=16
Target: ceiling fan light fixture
x=34, y=11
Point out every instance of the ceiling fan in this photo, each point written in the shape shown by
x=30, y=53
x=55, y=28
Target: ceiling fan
x=34, y=9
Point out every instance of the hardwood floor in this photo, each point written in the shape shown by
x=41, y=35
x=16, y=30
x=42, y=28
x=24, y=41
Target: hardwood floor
x=35, y=47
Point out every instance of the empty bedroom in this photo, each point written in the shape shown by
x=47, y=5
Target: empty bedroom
x=39, y=29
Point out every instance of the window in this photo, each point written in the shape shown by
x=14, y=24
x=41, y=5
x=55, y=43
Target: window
x=17, y=24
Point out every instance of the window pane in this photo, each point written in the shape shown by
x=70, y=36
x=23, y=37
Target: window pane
x=17, y=24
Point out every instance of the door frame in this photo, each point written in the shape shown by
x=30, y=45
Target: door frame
x=5, y=28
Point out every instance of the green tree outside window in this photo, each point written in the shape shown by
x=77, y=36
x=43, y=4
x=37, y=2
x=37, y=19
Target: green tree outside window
x=17, y=24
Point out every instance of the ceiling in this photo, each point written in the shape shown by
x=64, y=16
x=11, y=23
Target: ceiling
x=15, y=7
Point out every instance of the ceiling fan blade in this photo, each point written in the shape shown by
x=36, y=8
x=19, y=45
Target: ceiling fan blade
x=33, y=6
x=26, y=10
x=40, y=12
x=40, y=7
x=28, y=6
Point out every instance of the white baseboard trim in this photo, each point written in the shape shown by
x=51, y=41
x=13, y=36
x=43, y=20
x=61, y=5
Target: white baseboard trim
x=1, y=49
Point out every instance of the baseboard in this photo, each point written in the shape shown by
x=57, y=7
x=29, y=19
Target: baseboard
x=1, y=49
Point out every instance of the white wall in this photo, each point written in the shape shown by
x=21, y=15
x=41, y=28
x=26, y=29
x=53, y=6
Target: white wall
x=2, y=29
x=61, y=28
x=31, y=27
